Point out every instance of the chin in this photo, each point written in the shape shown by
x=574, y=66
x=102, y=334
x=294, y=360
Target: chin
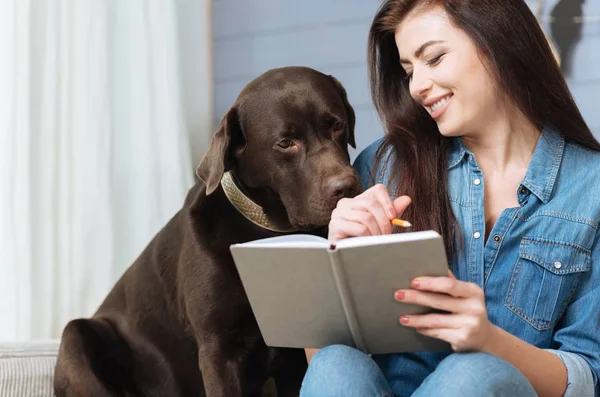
x=448, y=131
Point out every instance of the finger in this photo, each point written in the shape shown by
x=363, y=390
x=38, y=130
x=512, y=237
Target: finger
x=384, y=223
x=451, y=275
x=435, y=320
x=380, y=193
x=447, y=285
x=400, y=204
x=434, y=300
x=360, y=203
x=377, y=201
x=445, y=334
x=365, y=218
x=358, y=211
x=340, y=229
x=393, y=209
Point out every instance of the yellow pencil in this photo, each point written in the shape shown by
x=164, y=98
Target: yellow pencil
x=401, y=222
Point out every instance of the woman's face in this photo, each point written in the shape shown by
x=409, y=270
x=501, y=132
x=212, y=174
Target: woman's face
x=446, y=74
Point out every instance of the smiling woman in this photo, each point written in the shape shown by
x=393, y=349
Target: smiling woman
x=485, y=145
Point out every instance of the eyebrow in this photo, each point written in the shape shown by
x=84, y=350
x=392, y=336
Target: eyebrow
x=422, y=48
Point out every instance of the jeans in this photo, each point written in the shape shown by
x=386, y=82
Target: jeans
x=343, y=371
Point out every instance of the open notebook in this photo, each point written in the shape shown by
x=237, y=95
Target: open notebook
x=308, y=293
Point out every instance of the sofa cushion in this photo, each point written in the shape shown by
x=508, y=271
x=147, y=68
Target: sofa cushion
x=27, y=368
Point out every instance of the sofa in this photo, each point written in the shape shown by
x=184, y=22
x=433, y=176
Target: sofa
x=27, y=368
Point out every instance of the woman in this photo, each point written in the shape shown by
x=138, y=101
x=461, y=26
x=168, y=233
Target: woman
x=485, y=145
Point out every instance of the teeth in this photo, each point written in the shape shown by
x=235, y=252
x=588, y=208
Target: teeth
x=439, y=104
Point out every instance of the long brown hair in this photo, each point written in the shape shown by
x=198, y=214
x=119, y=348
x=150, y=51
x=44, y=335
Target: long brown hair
x=519, y=58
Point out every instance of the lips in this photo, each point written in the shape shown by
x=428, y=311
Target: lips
x=437, y=106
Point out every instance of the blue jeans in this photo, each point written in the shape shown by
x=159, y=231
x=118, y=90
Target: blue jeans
x=343, y=371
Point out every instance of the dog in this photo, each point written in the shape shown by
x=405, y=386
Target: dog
x=178, y=322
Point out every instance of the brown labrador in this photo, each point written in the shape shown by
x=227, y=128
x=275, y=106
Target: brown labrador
x=178, y=322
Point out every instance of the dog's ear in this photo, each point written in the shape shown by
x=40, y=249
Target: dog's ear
x=219, y=157
x=349, y=111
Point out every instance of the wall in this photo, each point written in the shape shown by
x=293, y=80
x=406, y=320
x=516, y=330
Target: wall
x=195, y=67
x=251, y=37
x=584, y=79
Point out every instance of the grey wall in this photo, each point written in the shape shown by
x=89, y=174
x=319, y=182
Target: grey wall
x=251, y=36
x=584, y=80
x=194, y=33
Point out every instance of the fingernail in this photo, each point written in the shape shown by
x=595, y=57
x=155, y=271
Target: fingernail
x=390, y=214
x=399, y=295
x=416, y=283
x=404, y=320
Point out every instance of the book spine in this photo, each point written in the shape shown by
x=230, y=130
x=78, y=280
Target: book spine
x=346, y=298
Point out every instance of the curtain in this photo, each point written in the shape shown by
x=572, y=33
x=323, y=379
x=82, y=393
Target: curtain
x=94, y=152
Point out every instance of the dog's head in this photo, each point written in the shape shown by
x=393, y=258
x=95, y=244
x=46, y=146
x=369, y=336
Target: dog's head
x=286, y=141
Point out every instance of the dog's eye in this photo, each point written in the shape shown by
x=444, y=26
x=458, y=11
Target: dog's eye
x=338, y=125
x=286, y=143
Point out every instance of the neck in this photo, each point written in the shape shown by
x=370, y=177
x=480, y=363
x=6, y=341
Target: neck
x=504, y=144
x=247, y=207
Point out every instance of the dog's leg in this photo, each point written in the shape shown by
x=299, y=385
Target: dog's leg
x=288, y=370
x=96, y=361
x=85, y=365
x=222, y=375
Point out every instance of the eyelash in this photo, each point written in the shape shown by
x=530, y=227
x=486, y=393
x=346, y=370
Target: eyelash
x=431, y=62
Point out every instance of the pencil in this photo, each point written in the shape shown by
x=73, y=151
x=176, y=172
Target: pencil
x=401, y=222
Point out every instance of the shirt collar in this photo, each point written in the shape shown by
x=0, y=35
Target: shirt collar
x=457, y=151
x=543, y=167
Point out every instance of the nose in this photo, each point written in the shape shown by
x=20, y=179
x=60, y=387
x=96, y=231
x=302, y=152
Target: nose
x=419, y=85
x=340, y=187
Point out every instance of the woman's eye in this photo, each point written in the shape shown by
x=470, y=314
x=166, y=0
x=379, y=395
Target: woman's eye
x=338, y=125
x=431, y=62
x=435, y=60
x=286, y=143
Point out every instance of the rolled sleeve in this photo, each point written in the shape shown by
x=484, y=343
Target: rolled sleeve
x=580, y=379
x=577, y=340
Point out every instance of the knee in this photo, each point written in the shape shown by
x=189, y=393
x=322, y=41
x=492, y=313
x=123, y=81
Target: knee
x=336, y=354
x=474, y=373
x=343, y=371
x=477, y=363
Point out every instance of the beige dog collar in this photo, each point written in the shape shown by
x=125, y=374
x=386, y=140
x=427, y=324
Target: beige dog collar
x=248, y=208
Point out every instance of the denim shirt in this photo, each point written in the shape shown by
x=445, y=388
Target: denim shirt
x=540, y=265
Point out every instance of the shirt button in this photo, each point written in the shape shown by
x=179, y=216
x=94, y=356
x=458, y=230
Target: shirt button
x=497, y=238
x=523, y=190
x=476, y=234
x=557, y=265
x=477, y=181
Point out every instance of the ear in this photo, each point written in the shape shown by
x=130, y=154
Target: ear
x=349, y=110
x=218, y=159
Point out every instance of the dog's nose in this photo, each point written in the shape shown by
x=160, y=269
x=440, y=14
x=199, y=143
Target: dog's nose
x=342, y=187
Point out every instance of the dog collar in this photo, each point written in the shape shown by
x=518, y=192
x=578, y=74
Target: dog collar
x=248, y=208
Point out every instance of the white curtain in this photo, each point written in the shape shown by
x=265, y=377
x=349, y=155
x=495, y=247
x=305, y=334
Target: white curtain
x=94, y=153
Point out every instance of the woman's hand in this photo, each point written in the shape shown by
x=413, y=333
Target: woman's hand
x=369, y=213
x=466, y=327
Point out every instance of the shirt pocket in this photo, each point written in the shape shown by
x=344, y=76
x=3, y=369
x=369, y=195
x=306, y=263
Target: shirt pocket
x=544, y=280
